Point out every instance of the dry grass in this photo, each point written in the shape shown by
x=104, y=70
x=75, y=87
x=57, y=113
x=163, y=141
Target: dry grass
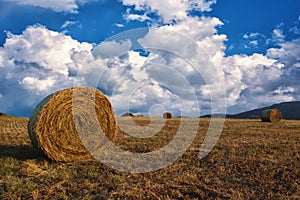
x=252, y=160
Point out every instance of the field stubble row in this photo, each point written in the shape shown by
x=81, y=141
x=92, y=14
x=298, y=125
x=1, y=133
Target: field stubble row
x=250, y=160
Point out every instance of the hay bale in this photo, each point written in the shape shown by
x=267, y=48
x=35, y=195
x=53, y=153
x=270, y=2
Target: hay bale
x=271, y=115
x=52, y=126
x=3, y=114
x=167, y=115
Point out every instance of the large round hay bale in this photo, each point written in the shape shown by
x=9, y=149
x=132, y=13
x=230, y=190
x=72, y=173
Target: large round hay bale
x=271, y=115
x=52, y=126
x=167, y=115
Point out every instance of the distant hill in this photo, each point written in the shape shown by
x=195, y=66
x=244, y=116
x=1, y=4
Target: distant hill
x=289, y=110
x=127, y=115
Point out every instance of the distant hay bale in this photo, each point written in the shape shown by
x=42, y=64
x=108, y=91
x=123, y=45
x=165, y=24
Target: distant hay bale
x=52, y=126
x=4, y=115
x=271, y=115
x=167, y=115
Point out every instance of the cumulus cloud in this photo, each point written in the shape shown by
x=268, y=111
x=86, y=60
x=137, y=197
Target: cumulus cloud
x=260, y=80
x=34, y=64
x=131, y=17
x=110, y=49
x=288, y=53
x=168, y=10
x=33, y=83
x=250, y=78
x=202, y=5
x=250, y=81
x=47, y=49
x=138, y=83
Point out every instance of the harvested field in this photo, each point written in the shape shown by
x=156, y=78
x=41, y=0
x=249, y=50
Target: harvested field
x=252, y=160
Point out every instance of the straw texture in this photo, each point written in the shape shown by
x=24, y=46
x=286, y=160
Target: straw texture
x=167, y=115
x=271, y=115
x=53, y=130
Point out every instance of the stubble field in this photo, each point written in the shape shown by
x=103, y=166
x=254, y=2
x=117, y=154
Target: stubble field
x=251, y=160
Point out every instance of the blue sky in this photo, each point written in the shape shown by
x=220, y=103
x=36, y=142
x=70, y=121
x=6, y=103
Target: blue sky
x=46, y=46
x=244, y=17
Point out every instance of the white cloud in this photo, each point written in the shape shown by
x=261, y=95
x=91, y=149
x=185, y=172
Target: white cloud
x=70, y=6
x=249, y=62
x=137, y=63
x=69, y=23
x=187, y=36
x=288, y=52
x=191, y=38
x=34, y=64
x=254, y=39
x=284, y=90
x=108, y=49
x=202, y=5
x=261, y=80
x=33, y=83
x=248, y=74
x=253, y=35
x=48, y=49
x=278, y=35
x=139, y=4
x=254, y=42
x=132, y=17
x=119, y=25
x=169, y=10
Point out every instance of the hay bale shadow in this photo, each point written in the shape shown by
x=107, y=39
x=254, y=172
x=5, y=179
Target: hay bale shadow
x=22, y=152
